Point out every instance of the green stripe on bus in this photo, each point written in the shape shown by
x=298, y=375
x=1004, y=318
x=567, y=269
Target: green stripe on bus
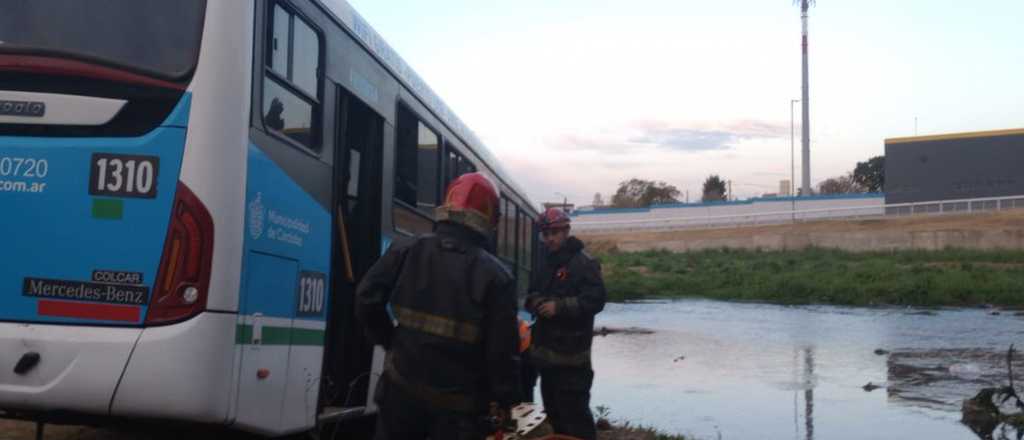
x=108, y=209
x=280, y=336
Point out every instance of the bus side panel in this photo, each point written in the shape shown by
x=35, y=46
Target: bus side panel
x=179, y=372
x=214, y=164
x=188, y=371
x=284, y=226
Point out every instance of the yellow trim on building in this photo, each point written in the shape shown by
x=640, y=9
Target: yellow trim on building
x=954, y=136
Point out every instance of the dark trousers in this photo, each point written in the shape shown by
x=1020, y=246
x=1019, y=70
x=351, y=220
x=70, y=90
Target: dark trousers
x=566, y=393
x=405, y=417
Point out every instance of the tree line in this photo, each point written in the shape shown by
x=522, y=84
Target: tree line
x=868, y=176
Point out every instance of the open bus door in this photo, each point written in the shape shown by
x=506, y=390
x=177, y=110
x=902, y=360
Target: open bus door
x=348, y=356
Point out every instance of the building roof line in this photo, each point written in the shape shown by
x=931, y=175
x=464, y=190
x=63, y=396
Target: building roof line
x=955, y=136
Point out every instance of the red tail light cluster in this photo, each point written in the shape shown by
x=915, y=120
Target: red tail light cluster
x=183, y=281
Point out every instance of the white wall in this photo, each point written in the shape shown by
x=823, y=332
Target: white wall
x=757, y=211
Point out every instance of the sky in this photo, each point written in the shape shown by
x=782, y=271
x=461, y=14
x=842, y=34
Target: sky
x=575, y=96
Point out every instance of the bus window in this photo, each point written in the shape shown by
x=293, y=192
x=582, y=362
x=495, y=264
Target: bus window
x=306, y=58
x=451, y=166
x=292, y=81
x=465, y=166
x=428, y=157
x=418, y=160
x=279, y=41
x=524, y=238
x=507, y=241
x=502, y=230
x=159, y=38
x=287, y=114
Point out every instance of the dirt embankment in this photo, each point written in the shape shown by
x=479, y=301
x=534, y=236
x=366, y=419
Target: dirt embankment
x=1003, y=230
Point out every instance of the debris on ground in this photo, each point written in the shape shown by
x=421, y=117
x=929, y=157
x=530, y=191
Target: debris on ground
x=994, y=407
x=605, y=331
x=679, y=359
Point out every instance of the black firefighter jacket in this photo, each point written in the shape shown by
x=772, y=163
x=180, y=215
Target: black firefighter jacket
x=455, y=343
x=572, y=279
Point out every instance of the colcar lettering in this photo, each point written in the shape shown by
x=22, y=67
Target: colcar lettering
x=117, y=277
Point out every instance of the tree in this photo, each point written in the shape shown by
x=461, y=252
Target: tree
x=598, y=200
x=871, y=174
x=639, y=193
x=840, y=185
x=714, y=189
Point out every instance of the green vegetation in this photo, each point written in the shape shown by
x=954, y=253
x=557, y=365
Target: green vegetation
x=820, y=276
x=626, y=431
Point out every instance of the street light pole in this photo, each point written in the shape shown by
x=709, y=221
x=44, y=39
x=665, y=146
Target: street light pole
x=792, y=158
x=565, y=201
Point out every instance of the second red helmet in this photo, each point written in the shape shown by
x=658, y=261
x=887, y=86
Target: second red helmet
x=552, y=219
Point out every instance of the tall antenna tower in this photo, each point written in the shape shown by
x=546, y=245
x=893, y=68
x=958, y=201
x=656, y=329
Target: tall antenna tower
x=805, y=188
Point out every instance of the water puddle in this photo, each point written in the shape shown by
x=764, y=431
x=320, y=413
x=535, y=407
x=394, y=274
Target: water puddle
x=739, y=371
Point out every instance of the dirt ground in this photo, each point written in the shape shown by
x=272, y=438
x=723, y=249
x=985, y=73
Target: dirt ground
x=16, y=430
x=993, y=221
x=13, y=430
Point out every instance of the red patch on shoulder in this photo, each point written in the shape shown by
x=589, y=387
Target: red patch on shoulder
x=562, y=274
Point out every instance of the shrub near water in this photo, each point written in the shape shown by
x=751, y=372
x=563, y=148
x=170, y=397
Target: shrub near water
x=819, y=276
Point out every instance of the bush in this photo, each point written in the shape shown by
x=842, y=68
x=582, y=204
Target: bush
x=821, y=276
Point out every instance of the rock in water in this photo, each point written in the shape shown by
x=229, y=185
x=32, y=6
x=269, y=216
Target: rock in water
x=870, y=387
x=881, y=352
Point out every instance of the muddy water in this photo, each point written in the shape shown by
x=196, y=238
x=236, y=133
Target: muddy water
x=747, y=371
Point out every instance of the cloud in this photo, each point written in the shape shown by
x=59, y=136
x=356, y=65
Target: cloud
x=697, y=138
x=637, y=136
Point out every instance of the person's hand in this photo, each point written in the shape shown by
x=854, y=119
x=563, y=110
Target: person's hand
x=501, y=418
x=532, y=301
x=548, y=309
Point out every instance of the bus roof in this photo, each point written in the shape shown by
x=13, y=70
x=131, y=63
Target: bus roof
x=387, y=56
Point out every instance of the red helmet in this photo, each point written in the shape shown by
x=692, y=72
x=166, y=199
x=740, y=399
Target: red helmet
x=552, y=219
x=472, y=200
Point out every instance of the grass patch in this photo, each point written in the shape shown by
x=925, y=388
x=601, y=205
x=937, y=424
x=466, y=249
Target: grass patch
x=626, y=430
x=820, y=276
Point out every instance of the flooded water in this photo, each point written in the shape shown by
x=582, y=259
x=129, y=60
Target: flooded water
x=749, y=371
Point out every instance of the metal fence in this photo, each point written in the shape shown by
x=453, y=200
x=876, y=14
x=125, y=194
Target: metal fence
x=942, y=207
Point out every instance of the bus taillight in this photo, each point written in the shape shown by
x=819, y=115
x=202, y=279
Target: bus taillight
x=183, y=281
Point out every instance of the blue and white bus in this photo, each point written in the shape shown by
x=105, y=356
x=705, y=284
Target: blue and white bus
x=190, y=191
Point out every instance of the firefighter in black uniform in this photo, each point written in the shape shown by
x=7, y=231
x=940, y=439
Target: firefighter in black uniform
x=565, y=295
x=454, y=350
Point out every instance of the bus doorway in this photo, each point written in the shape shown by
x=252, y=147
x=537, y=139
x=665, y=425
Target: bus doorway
x=357, y=237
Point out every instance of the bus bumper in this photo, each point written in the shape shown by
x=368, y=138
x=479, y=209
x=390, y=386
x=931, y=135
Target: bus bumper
x=183, y=372
x=77, y=371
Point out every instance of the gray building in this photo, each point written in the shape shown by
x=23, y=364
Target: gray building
x=954, y=166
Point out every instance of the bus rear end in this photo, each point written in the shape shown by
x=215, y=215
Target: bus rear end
x=102, y=239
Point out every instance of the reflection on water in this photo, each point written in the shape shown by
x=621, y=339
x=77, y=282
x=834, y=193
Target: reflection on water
x=809, y=392
x=771, y=372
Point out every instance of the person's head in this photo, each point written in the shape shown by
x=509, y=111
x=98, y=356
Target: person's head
x=472, y=200
x=554, y=228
